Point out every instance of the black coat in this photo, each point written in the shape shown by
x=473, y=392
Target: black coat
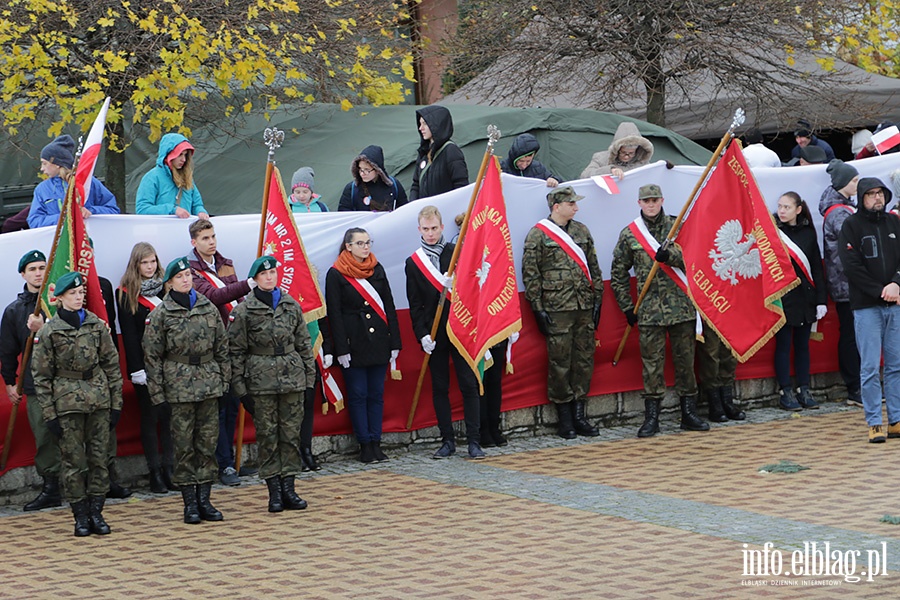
x=522, y=145
x=356, y=329
x=447, y=169
x=132, y=326
x=800, y=303
x=384, y=193
x=14, y=335
x=423, y=297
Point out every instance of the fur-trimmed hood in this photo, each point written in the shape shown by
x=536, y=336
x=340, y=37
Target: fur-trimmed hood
x=373, y=155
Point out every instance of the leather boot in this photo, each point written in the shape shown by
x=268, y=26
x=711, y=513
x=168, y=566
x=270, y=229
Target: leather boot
x=732, y=411
x=98, y=525
x=49, y=496
x=208, y=512
x=716, y=410
x=191, y=511
x=157, y=485
x=805, y=399
x=308, y=459
x=377, y=453
x=82, y=521
x=291, y=500
x=115, y=489
x=366, y=455
x=651, y=418
x=581, y=424
x=275, y=502
x=566, y=427
x=167, y=474
x=689, y=419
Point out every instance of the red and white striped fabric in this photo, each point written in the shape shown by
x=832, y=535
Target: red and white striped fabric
x=89, y=156
x=886, y=139
x=606, y=182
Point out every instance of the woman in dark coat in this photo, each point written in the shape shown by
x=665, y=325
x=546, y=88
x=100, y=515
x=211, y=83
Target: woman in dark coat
x=803, y=305
x=365, y=333
x=372, y=189
x=441, y=165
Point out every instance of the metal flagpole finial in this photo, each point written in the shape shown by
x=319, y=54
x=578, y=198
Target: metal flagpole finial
x=273, y=138
x=80, y=147
x=739, y=117
x=493, y=135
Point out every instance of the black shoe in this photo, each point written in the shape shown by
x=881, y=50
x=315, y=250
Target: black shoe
x=446, y=450
x=308, y=459
x=157, y=485
x=191, y=511
x=376, y=451
x=716, y=410
x=98, y=525
x=580, y=423
x=276, y=504
x=291, y=500
x=49, y=496
x=499, y=439
x=689, y=419
x=475, y=450
x=207, y=511
x=247, y=471
x=732, y=410
x=80, y=510
x=117, y=491
x=566, y=427
x=366, y=454
x=651, y=418
x=167, y=474
x=487, y=439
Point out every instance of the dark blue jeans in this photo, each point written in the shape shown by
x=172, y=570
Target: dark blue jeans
x=365, y=401
x=799, y=338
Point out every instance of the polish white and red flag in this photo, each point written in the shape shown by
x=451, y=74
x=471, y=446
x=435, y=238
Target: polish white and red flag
x=89, y=155
x=607, y=183
x=886, y=139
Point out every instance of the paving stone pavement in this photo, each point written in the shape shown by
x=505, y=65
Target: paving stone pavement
x=677, y=516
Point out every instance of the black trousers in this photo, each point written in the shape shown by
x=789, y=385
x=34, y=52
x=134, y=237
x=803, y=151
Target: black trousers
x=848, y=354
x=439, y=365
x=493, y=389
x=156, y=430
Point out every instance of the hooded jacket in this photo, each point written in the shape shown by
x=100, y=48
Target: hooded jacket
x=836, y=208
x=869, y=247
x=50, y=194
x=441, y=165
x=157, y=192
x=384, y=193
x=522, y=145
x=627, y=134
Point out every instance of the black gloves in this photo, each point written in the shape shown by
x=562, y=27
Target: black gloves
x=662, y=255
x=543, y=321
x=595, y=314
x=114, y=416
x=54, y=428
x=631, y=317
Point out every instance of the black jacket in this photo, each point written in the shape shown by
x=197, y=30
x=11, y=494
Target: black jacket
x=383, y=194
x=869, y=247
x=423, y=297
x=356, y=329
x=14, y=334
x=522, y=145
x=440, y=166
x=800, y=303
x=132, y=326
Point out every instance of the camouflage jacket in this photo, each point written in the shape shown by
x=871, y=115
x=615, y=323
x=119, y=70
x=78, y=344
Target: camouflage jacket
x=59, y=347
x=555, y=282
x=270, y=350
x=172, y=338
x=665, y=303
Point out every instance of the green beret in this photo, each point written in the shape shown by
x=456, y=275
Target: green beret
x=175, y=267
x=565, y=193
x=263, y=263
x=30, y=257
x=651, y=190
x=67, y=282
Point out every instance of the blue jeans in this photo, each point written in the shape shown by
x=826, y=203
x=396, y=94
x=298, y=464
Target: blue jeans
x=365, y=401
x=877, y=333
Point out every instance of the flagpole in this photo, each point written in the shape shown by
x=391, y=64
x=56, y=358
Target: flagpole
x=273, y=139
x=735, y=123
x=493, y=138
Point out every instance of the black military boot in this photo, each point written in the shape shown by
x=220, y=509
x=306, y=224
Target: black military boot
x=308, y=459
x=275, y=502
x=651, y=418
x=191, y=511
x=157, y=485
x=49, y=496
x=82, y=520
x=98, y=525
x=291, y=500
x=716, y=410
x=207, y=511
x=566, y=427
x=581, y=424
x=732, y=411
x=167, y=474
x=116, y=490
x=689, y=418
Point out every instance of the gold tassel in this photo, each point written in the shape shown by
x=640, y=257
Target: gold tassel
x=396, y=375
x=509, y=368
x=816, y=336
x=339, y=405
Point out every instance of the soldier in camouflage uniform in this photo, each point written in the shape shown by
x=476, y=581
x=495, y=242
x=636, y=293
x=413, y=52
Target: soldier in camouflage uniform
x=665, y=309
x=79, y=388
x=272, y=361
x=566, y=304
x=186, y=359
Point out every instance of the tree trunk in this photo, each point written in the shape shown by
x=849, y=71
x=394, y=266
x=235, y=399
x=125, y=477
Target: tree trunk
x=115, y=167
x=655, y=83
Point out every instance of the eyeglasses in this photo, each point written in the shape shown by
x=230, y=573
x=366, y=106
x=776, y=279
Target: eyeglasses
x=878, y=192
x=366, y=171
x=363, y=244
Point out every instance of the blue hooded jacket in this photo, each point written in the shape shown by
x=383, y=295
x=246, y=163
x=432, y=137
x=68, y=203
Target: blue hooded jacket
x=50, y=194
x=157, y=192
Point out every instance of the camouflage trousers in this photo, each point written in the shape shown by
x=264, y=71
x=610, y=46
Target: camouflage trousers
x=570, y=354
x=716, y=364
x=278, y=418
x=195, y=430
x=46, y=445
x=653, y=356
x=84, y=451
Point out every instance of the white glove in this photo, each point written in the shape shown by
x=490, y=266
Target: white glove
x=514, y=337
x=327, y=361
x=139, y=377
x=821, y=311
x=251, y=282
x=395, y=354
x=344, y=360
x=447, y=281
x=428, y=344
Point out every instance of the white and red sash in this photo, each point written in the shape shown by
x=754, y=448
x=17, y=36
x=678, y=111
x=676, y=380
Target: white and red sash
x=639, y=228
x=330, y=388
x=218, y=283
x=431, y=273
x=565, y=241
x=370, y=295
x=150, y=303
x=798, y=257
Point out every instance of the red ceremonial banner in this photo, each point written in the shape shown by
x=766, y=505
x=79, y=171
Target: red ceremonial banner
x=736, y=264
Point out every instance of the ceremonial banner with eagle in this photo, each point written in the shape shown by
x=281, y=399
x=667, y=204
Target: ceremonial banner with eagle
x=736, y=265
